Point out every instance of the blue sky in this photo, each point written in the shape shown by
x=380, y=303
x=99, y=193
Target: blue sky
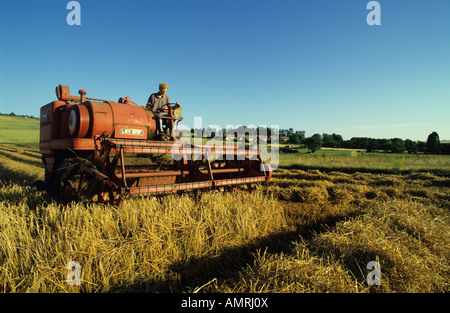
x=313, y=65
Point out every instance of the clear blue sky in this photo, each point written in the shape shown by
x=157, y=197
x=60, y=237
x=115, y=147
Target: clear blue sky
x=311, y=65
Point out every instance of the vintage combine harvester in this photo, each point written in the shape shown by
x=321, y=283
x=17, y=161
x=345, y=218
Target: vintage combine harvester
x=100, y=150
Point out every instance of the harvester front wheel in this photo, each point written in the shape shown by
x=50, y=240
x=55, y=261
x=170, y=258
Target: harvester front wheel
x=73, y=184
x=68, y=193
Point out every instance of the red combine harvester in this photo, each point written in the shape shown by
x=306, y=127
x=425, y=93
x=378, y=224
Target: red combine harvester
x=100, y=150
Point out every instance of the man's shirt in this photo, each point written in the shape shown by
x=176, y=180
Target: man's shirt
x=157, y=103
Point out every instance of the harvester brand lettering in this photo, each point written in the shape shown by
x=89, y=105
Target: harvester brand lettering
x=194, y=303
x=246, y=303
x=131, y=131
x=74, y=16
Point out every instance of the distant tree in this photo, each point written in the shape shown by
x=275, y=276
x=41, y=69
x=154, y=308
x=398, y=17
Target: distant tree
x=397, y=145
x=445, y=148
x=433, y=143
x=422, y=146
x=357, y=143
x=301, y=135
x=284, y=133
x=385, y=144
x=411, y=146
x=314, y=142
x=328, y=141
x=333, y=140
x=338, y=139
x=371, y=145
x=294, y=139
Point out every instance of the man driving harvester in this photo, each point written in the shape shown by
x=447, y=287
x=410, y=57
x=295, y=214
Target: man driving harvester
x=157, y=102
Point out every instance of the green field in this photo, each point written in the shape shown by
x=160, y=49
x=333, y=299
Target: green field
x=19, y=130
x=352, y=160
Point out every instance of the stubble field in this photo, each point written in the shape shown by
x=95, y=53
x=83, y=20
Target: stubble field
x=307, y=230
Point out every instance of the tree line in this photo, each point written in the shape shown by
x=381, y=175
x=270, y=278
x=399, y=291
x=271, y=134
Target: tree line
x=393, y=145
x=297, y=137
x=14, y=114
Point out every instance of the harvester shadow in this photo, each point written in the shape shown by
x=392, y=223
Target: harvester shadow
x=189, y=275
